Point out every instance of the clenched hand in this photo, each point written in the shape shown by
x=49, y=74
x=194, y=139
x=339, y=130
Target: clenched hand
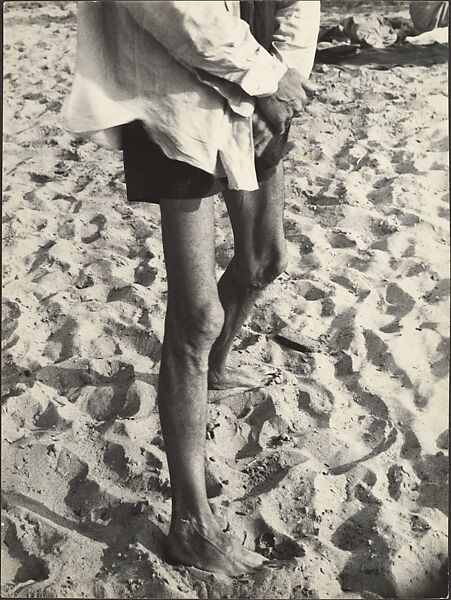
x=289, y=100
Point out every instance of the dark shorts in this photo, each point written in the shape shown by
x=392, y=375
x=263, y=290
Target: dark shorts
x=150, y=175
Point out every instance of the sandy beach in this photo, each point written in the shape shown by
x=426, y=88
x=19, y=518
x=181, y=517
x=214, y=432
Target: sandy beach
x=339, y=474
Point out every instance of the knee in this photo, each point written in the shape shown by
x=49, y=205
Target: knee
x=199, y=324
x=259, y=273
x=268, y=270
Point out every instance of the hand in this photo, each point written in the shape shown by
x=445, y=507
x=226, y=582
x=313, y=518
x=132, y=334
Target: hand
x=261, y=133
x=269, y=148
x=287, y=102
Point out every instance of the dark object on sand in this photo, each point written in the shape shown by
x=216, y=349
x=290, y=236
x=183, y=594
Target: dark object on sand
x=336, y=54
x=398, y=56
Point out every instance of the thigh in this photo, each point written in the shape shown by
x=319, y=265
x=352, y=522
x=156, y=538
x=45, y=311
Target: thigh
x=257, y=217
x=189, y=249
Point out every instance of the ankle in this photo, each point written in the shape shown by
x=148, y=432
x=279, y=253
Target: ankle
x=182, y=532
x=216, y=369
x=200, y=521
x=198, y=516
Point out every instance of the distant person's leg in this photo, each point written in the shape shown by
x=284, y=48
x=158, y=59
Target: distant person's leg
x=193, y=321
x=427, y=16
x=260, y=256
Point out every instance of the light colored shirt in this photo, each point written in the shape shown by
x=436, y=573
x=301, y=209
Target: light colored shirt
x=189, y=71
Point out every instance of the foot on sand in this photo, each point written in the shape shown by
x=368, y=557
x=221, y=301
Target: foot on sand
x=246, y=376
x=206, y=547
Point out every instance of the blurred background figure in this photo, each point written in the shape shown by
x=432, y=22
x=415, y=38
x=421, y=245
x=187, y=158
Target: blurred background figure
x=429, y=15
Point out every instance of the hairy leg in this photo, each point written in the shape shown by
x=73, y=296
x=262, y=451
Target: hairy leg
x=260, y=256
x=193, y=320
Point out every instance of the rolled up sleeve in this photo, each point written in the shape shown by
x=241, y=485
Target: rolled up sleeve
x=296, y=33
x=203, y=35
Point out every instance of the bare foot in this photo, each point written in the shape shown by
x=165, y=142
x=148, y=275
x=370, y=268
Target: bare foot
x=206, y=547
x=247, y=377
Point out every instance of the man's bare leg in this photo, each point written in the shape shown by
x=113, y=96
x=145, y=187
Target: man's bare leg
x=193, y=321
x=260, y=256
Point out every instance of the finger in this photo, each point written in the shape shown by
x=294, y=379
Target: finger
x=305, y=82
x=282, y=127
x=309, y=86
x=300, y=102
x=279, y=128
x=278, y=124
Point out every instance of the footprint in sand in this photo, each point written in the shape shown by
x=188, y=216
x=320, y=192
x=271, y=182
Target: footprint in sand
x=376, y=431
x=310, y=292
x=19, y=564
x=83, y=281
x=440, y=291
x=383, y=192
x=344, y=282
x=264, y=411
x=51, y=420
x=99, y=221
x=66, y=231
x=144, y=274
x=341, y=335
x=40, y=178
x=411, y=448
x=440, y=368
x=124, y=294
x=292, y=234
x=99, y=388
x=10, y=317
x=431, y=469
x=327, y=307
x=360, y=483
x=61, y=343
x=65, y=202
x=341, y=240
x=114, y=457
x=380, y=356
x=359, y=264
x=433, y=473
x=265, y=475
x=103, y=402
x=417, y=268
x=373, y=403
x=317, y=401
x=396, y=476
x=143, y=341
x=404, y=162
x=369, y=567
x=276, y=546
x=382, y=229
x=399, y=304
x=89, y=502
x=41, y=256
x=378, y=434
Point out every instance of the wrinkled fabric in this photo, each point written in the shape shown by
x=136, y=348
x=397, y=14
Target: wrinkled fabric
x=188, y=70
x=369, y=31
